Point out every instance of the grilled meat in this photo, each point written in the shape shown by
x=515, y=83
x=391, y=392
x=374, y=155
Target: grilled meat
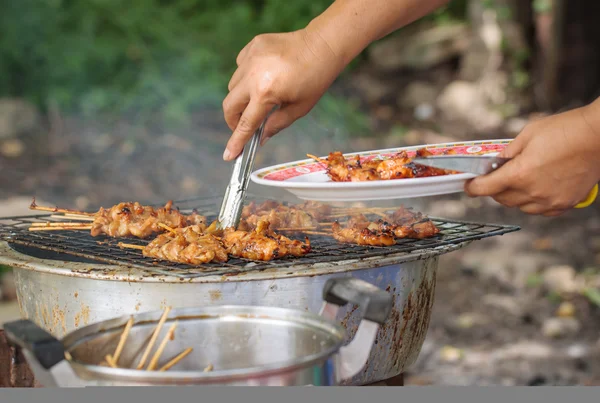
x=187, y=245
x=403, y=223
x=342, y=169
x=125, y=219
x=364, y=236
x=262, y=243
x=280, y=216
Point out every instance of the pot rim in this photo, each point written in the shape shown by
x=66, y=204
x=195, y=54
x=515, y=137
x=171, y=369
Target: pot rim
x=90, y=371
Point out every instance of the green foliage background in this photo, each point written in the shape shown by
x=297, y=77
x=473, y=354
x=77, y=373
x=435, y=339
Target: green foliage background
x=139, y=57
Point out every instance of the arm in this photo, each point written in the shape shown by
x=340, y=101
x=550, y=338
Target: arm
x=293, y=70
x=349, y=26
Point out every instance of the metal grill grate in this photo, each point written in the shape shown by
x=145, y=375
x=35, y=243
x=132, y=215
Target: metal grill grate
x=14, y=230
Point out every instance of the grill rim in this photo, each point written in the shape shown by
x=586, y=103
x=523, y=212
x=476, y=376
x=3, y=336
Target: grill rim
x=107, y=272
x=331, y=259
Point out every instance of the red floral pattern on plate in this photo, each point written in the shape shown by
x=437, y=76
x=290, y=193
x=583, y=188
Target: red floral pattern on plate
x=304, y=168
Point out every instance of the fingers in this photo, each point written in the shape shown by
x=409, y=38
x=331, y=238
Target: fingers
x=554, y=213
x=522, y=200
x=235, y=79
x=493, y=183
x=512, y=198
x=249, y=122
x=243, y=53
x=281, y=119
x=539, y=209
x=234, y=105
x=515, y=147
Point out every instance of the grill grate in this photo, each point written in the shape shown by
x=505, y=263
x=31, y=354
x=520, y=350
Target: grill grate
x=14, y=230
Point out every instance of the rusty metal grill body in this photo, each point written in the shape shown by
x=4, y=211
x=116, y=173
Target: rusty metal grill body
x=14, y=230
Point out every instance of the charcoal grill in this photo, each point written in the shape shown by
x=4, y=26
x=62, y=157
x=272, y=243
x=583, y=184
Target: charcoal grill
x=325, y=249
x=66, y=280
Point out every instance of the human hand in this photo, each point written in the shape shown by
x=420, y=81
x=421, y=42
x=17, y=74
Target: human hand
x=292, y=70
x=555, y=163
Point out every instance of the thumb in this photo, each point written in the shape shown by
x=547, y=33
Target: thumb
x=494, y=182
x=501, y=179
x=249, y=122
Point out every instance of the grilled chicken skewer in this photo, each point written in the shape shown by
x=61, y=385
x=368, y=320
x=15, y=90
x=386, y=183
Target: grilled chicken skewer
x=191, y=245
x=403, y=223
x=306, y=215
x=352, y=169
x=128, y=219
x=262, y=243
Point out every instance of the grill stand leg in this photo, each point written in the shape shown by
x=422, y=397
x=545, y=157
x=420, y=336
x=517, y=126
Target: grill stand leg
x=14, y=371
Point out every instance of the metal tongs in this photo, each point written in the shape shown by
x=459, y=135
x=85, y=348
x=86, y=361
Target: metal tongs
x=235, y=195
x=482, y=165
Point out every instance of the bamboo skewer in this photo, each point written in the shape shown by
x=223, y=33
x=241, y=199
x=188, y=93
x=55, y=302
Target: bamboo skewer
x=161, y=347
x=65, y=228
x=175, y=360
x=122, y=341
x=73, y=217
x=317, y=233
x=110, y=361
x=208, y=368
x=295, y=229
x=164, y=226
x=130, y=246
x=34, y=206
x=60, y=224
x=314, y=157
x=159, y=326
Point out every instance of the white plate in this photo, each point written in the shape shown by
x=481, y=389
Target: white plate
x=308, y=180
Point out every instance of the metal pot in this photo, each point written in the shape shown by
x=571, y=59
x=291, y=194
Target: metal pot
x=246, y=345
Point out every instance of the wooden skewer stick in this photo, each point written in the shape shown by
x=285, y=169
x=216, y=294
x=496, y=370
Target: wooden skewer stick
x=175, y=360
x=131, y=246
x=314, y=157
x=379, y=214
x=110, y=361
x=60, y=224
x=339, y=215
x=171, y=230
x=122, y=341
x=161, y=322
x=317, y=233
x=73, y=217
x=34, y=206
x=208, y=368
x=294, y=229
x=59, y=228
x=161, y=347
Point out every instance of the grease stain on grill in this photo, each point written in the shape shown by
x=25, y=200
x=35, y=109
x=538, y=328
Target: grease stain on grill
x=82, y=317
x=215, y=295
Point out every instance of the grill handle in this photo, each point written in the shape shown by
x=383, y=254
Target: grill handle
x=375, y=306
x=375, y=303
